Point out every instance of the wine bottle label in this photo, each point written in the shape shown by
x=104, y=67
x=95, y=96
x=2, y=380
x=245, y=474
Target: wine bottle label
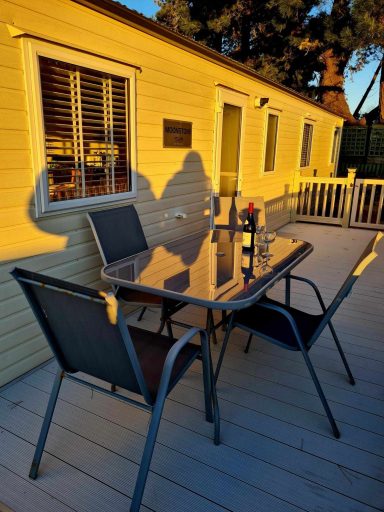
x=247, y=239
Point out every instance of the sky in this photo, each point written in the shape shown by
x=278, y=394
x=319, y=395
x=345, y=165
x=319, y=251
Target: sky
x=355, y=86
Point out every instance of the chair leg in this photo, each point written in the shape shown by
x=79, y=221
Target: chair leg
x=224, y=320
x=210, y=326
x=224, y=347
x=210, y=395
x=161, y=326
x=139, y=318
x=320, y=392
x=207, y=379
x=169, y=328
x=342, y=355
x=164, y=320
x=216, y=411
x=287, y=290
x=46, y=424
x=147, y=455
x=246, y=350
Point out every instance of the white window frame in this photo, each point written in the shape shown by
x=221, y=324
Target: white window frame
x=310, y=122
x=270, y=111
x=32, y=49
x=337, y=148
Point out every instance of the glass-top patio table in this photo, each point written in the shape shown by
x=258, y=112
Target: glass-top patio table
x=208, y=269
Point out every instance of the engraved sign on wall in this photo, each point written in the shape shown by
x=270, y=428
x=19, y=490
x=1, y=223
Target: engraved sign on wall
x=177, y=134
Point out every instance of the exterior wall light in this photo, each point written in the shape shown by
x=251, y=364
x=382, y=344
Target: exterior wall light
x=261, y=102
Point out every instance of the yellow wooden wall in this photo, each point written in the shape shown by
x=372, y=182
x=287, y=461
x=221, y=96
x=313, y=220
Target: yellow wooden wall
x=173, y=84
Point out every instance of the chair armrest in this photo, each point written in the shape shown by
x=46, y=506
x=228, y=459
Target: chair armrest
x=312, y=284
x=174, y=352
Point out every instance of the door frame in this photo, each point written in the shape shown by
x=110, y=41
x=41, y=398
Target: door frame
x=238, y=99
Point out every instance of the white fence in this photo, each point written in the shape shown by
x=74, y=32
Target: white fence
x=341, y=201
x=367, y=205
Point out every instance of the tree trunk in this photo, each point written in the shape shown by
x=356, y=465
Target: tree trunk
x=331, y=87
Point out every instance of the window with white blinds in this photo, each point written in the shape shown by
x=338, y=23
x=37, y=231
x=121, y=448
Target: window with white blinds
x=306, y=145
x=85, y=115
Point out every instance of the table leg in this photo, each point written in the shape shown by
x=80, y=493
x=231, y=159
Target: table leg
x=224, y=346
x=287, y=291
x=210, y=326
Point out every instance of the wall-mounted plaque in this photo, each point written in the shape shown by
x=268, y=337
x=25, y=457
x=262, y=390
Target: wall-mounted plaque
x=177, y=134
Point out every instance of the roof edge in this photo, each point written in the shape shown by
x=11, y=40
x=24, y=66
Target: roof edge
x=119, y=12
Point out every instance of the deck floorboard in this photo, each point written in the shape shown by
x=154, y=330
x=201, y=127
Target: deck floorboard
x=277, y=452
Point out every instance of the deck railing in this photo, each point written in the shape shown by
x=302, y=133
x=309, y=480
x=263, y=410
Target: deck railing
x=367, y=207
x=323, y=199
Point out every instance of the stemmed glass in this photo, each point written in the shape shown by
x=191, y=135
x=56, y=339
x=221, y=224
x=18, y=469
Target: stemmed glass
x=259, y=243
x=268, y=237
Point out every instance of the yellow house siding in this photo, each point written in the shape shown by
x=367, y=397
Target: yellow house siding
x=171, y=83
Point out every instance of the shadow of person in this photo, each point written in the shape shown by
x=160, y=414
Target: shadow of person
x=63, y=239
x=190, y=190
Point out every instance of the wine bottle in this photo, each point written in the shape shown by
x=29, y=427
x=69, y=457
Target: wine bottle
x=249, y=230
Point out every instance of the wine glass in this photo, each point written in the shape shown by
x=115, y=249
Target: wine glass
x=268, y=238
x=259, y=243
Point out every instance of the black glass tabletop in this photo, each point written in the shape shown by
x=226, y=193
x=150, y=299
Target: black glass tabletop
x=209, y=268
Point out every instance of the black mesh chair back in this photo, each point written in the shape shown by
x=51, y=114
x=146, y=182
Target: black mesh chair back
x=294, y=329
x=84, y=329
x=118, y=233
x=366, y=257
x=231, y=212
x=87, y=333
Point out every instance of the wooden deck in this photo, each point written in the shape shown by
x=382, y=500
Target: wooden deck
x=277, y=452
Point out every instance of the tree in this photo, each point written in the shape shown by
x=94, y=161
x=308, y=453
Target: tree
x=345, y=39
x=264, y=35
x=290, y=41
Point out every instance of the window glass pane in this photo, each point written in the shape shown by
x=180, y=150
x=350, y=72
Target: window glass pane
x=230, y=142
x=270, y=148
x=335, y=145
x=306, y=145
x=86, y=136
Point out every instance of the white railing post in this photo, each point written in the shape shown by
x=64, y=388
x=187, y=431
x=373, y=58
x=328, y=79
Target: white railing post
x=295, y=194
x=349, y=187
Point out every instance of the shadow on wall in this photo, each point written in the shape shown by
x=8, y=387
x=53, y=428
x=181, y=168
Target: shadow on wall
x=231, y=212
x=58, y=235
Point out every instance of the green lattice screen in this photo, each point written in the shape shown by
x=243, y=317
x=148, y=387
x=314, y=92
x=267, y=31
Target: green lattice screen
x=376, y=146
x=353, y=141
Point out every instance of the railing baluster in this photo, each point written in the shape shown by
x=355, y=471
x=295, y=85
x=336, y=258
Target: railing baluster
x=362, y=201
x=380, y=208
x=343, y=191
x=373, y=192
x=334, y=188
x=325, y=200
x=303, y=189
x=317, y=196
x=309, y=199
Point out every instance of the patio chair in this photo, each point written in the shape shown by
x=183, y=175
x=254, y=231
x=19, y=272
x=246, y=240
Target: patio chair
x=87, y=333
x=119, y=234
x=294, y=329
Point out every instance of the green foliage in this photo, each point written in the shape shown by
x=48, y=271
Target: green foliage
x=285, y=40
